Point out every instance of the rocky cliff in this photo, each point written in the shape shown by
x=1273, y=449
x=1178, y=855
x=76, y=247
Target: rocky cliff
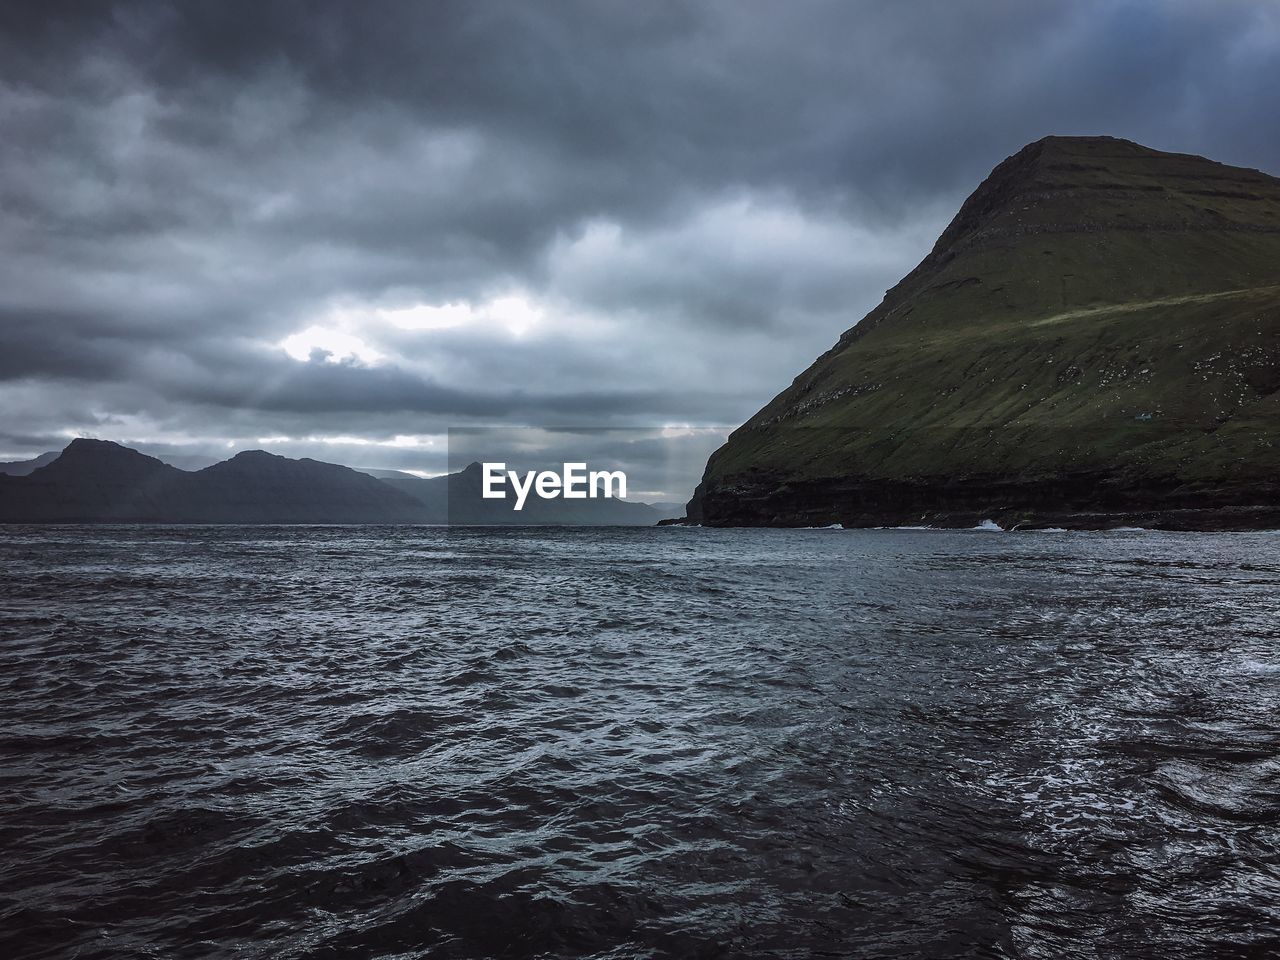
x=1093, y=341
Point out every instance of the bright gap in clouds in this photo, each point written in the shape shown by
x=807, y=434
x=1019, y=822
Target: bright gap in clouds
x=328, y=344
x=348, y=329
x=514, y=314
x=399, y=441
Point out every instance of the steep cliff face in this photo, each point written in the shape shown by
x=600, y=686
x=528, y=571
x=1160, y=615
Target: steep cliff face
x=1093, y=340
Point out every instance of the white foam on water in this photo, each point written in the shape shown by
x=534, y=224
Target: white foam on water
x=1257, y=666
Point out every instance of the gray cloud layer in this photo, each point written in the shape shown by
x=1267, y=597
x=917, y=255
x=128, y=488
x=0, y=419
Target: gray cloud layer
x=343, y=224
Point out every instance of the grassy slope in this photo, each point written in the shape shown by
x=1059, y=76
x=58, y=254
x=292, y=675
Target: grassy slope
x=1095, y=306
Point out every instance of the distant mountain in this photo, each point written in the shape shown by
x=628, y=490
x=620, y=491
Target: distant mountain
x=668, y=509
x=388, y=474
x=1093, y=341
x=96, y=481
x=259, y=487
x=457, y=498
x=184, y=461
x=20, y=468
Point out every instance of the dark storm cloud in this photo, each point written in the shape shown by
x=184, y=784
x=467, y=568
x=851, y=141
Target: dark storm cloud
x=690, y=200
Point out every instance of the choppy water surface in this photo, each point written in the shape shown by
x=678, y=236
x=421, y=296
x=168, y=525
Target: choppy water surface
x=399, y=742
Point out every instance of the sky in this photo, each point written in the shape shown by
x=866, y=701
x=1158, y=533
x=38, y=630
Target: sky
x=339, y=230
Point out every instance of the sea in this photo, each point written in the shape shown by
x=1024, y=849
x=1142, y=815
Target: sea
x=404, y=742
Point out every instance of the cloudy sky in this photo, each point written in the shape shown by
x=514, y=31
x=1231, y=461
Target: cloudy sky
x=339, y=229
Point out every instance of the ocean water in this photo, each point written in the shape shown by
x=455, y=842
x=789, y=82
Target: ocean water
x=405, y=742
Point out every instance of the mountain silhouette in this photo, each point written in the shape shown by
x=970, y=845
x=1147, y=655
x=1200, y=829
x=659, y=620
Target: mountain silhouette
x=97, y=481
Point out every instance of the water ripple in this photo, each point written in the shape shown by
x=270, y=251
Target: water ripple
x=397, y=742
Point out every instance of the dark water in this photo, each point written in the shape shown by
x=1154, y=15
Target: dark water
x=365, y=742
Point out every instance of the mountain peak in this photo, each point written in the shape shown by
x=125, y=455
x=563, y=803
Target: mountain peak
x=97, y=480
x=264, y=464
x=1098, y=206
x=86, y=451
x=1039, y=172
x=1095, y=143
x=1074, y=324
x=91, y=446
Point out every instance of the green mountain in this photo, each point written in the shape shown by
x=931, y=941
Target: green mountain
x=1093, y=341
